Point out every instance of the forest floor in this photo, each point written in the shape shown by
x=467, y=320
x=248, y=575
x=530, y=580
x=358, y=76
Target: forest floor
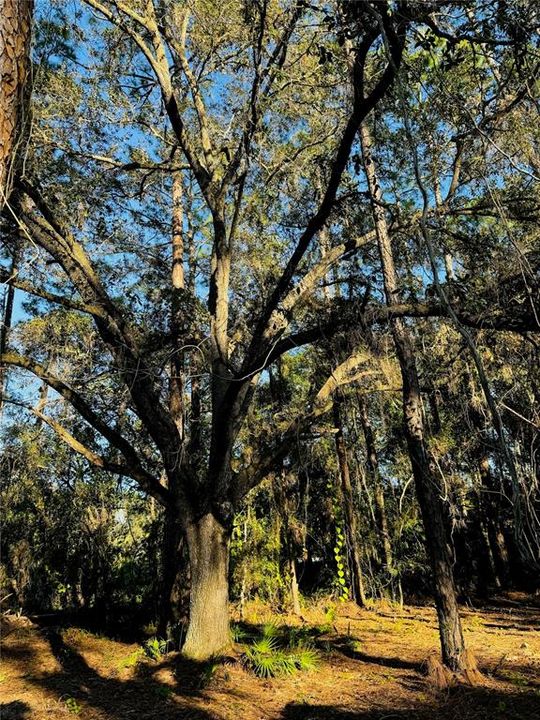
x=372, y=667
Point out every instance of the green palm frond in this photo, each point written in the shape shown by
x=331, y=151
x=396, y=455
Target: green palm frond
x=279, y=653
x=272, y=630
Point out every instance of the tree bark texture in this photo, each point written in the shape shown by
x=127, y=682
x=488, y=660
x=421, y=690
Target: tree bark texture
x=15, y=35
x=174, y=572
x=208, y=632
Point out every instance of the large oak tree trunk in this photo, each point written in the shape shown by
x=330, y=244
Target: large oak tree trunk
x=426, y=476
x=208, y=631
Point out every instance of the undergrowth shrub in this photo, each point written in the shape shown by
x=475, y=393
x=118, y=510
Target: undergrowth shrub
x=280, y=651
x=155, y=648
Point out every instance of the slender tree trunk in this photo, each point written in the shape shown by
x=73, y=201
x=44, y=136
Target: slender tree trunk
x=172, y=570
x=490, y=505
x=295, y=594
x=427, y=482
x=484, y=560
x=378, y=494
x=349, y=509
x=285, y=508
x=7, y=318
x=208, y=631
x=15, y=35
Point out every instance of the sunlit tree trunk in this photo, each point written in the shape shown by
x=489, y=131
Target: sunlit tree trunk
x=295, y=592
x=15, y=36
x=208, y=632
x=7, y=318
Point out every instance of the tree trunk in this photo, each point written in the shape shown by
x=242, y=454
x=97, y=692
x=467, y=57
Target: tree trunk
x=173, y=575
x=7, y=318
x=483, y=561
x=426, y=476
x=15, y=34
x=440, y=553
x=378, y=494
x=491, y=507
x=295, y=594
x=208, y=631
x=349, y=510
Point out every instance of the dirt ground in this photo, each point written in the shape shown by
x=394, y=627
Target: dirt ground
x=372, y=667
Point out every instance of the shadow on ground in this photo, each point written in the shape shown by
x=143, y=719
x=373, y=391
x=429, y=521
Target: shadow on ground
x=15, y=710
x=116, y=699
x=145, y=697
x=461, y=704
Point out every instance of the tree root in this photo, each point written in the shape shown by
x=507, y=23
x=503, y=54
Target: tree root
x=442, y=678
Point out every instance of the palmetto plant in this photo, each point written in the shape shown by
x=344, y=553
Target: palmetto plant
x=279, y=652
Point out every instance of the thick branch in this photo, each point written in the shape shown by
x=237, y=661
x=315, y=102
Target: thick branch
x=270, y=322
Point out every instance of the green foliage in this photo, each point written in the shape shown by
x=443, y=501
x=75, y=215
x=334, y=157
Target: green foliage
x=72, y=706
x=76, y=537
x=280, y=651
x=155, y=648
x=239, y=633
x=132, y=659
x=256, y=554
x=341, y=580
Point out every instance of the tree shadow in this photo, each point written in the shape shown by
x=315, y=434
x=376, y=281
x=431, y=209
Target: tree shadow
x=15, y=710
x=320, y=637
x=519, y=675
x=342, y=644
x=124, y=624
x=143, y=696
x=463, y=703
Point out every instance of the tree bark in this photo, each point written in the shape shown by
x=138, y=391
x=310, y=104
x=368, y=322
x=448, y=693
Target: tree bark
x=173, y=576
x=7, y=318
x=208, y=632
x=295, y=594
x=491, y=508
x=426, y=476
x=347, y=497
x=15, y=35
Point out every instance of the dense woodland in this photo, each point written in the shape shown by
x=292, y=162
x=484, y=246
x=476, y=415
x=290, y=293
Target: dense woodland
x=271, y=320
